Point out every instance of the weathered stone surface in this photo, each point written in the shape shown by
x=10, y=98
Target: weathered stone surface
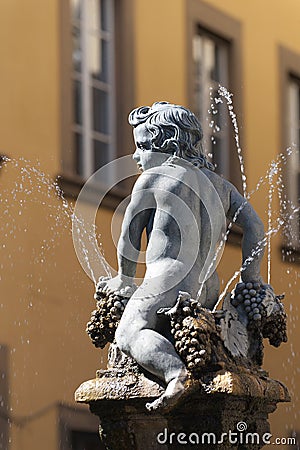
x=117, y=385
x=215, y=403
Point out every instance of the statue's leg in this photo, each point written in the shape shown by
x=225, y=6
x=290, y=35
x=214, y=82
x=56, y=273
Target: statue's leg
x=137, y=337
x=212, y=288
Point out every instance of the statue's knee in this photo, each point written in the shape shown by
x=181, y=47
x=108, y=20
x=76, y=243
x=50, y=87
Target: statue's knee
x=122, y=340
x=126, y=336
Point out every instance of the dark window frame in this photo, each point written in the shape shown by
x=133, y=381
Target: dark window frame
x=217, y=141
x=74, y=419
x=289, y=67
x=224, y=27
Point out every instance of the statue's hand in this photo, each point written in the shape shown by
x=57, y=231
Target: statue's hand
x=123, y=287
x=268, y=289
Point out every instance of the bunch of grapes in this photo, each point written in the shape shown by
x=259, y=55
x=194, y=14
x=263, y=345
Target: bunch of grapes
x=105, y=319
x=275, y=327
x=191, y=327
x=250, y=297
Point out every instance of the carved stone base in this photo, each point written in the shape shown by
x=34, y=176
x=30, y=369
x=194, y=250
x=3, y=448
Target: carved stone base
x=221, y=402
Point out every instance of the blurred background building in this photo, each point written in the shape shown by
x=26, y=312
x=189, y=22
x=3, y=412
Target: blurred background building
x=71, y=71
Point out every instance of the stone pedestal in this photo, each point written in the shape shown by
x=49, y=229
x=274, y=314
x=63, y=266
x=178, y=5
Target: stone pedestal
x=219, y=402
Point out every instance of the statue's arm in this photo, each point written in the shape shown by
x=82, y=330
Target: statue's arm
x=129, y=243
x=245, y=217
x=136, y=218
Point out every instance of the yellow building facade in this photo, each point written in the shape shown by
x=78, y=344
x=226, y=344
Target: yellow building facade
x=50, y=126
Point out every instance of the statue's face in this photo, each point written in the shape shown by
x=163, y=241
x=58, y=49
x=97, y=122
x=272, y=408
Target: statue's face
x=143, y=154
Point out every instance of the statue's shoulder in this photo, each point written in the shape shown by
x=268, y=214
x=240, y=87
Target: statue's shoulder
x=218, y=181
x=161, y=171
x=172, y=171
x=146, y=179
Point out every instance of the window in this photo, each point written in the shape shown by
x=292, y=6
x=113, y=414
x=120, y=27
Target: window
x=97, y=89
x=214, y=57
x=289, y=89
x=293, y=161
x=78, y=429
x=93, y=89
x=211, y=65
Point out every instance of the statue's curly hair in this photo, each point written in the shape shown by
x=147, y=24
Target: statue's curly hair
x=174, y=130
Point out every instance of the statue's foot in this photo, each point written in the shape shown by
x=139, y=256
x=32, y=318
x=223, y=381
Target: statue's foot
x=174, y=391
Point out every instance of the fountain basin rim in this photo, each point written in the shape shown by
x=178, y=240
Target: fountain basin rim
x=118, y=386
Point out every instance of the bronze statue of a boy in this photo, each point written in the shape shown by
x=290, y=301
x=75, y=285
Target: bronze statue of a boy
x=182, y=203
